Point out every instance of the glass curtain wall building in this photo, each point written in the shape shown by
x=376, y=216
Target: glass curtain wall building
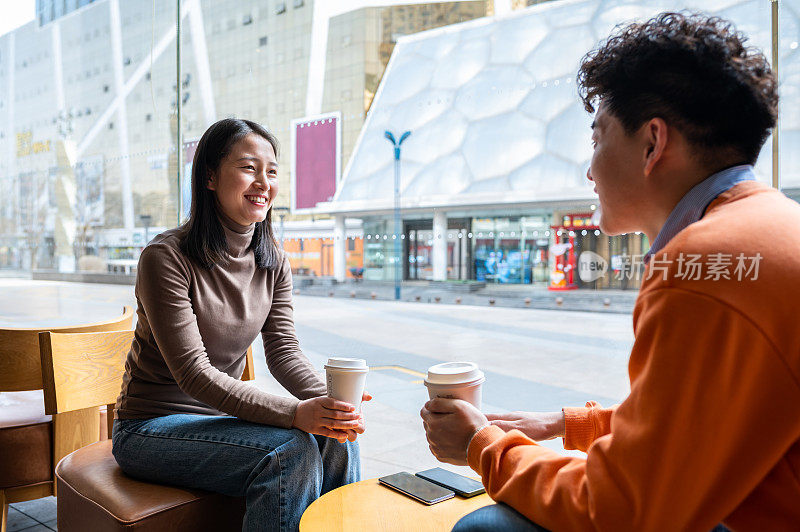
x=91, y=92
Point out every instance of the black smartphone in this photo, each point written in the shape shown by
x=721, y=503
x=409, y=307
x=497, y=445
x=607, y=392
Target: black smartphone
x=416, y=488
x=464, y=486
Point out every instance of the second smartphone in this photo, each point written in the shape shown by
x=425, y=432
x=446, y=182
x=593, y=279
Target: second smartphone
x=463, y=486
x=417, y=488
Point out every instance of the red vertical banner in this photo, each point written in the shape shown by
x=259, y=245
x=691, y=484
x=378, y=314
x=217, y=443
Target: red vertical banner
x=315, y=160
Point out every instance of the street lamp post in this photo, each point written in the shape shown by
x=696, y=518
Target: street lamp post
x=146, y=219
x=397, y=228
x=281, y=213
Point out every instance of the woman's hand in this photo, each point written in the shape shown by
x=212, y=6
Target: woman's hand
x=329, y=417
x=537, y=426
x=352, y=434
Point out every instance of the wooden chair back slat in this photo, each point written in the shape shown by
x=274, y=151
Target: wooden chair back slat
x=20, y=362
x=249, y=373
x=73, y=430
x=85, y=370
x=82, y=370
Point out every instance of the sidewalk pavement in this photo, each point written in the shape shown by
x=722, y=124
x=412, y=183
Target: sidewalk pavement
x=6, y=273
x=493, y=295
x=447, y=292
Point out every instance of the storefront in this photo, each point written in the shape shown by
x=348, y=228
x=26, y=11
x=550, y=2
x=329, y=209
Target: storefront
x=521, y=250
x=418, y=249
x=10, y=252
x=501, y=250
x=314, y=256
x=511, y=250
x=311, y=246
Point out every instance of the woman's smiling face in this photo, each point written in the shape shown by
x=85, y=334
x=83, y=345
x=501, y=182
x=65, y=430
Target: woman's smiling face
x=246, y=182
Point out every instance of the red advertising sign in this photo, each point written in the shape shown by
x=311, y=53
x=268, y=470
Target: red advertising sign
x=315, y=160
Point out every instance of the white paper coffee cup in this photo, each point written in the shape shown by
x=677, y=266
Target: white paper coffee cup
x=345, y=378
x=456, y=380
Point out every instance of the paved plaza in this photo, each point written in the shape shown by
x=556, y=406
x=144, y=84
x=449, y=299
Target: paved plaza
x=536, y=360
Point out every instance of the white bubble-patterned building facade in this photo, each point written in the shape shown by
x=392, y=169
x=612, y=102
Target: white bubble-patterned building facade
x=493, y=110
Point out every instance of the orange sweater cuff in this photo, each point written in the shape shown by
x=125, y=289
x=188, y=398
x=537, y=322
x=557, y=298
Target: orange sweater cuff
x=578, y=428
x=479, y=442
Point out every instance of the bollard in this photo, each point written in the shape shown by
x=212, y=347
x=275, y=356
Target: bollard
x=606, y=302
x=437, y=299
x=373, y=295
x=559, y=301
x=491, y=302
x=527, y=302
x=458, y=301
x=352, y=293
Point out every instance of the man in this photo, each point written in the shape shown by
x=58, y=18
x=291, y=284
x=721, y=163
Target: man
x=710, y=432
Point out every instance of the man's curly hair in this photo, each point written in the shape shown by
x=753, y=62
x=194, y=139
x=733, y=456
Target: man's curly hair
x=693, y=71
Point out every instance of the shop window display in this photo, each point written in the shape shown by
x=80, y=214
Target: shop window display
x=511, y=250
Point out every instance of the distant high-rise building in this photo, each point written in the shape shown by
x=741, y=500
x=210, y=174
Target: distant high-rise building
x=49, y=10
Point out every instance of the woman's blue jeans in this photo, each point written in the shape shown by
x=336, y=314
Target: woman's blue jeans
x=279, y=471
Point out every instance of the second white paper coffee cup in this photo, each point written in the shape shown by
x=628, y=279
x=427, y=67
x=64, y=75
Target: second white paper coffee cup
x=345, y=378
x=456, y=380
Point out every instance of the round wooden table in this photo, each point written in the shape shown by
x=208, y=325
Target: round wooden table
x=368, y=506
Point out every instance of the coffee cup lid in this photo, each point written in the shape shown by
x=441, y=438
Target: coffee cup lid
x=454, y=373
x=346, y=363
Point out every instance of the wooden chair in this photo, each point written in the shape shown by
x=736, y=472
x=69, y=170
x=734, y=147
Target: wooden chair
x=28, y=452
x=84, y=371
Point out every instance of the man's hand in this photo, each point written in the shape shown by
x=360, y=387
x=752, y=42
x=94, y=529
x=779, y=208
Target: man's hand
x=328, y=417
x=535, y=425
x=449, y=426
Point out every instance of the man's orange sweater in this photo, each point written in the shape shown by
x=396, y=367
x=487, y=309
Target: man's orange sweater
x=710, y=432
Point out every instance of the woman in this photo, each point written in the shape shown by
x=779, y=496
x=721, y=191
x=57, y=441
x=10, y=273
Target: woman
x=204, y=292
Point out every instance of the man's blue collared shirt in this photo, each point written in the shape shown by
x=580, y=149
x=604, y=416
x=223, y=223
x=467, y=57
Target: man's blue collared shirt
x=692, y=206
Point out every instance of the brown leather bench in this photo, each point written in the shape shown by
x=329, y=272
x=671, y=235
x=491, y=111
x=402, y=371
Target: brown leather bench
x=94, y=494
x=26, y=434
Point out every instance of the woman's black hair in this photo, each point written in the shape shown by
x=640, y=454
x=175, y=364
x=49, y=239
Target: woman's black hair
x=202, y=236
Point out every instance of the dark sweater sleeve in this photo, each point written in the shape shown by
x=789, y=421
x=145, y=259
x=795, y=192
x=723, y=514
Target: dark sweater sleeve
x=285, y=360
x=163, y=283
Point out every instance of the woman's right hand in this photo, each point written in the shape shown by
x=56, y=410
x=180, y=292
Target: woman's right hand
x=329, y=417
x=537, y=426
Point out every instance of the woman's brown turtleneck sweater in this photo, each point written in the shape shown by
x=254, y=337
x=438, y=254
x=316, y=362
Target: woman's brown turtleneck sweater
x=194, y=327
